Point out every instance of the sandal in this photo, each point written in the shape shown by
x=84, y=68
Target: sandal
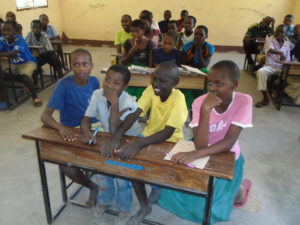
x=246, y=185
x=261, y=104
x=37, y=102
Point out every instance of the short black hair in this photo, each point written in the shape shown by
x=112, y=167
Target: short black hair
x=138, y=24
x=14, y=24
x=1, y=20
x=148, y=13
x=184, y=11
x=42, y=15
x=169, y=68
x=192, y=18
x=81, y=51
x=126, y=15
x=146, y=17
x=171, y=35
x=289, y=16
x=203, y=28
x=232, y=67
x=124, y=71
x=36, y=22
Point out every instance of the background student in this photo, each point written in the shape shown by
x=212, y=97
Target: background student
x=188, y=34
x=10, y=16
x=124, y=34
x=163, y=25
x=22, y=62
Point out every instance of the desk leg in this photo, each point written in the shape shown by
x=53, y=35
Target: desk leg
x=44, y=184
x=209, y=200
x=63, y=185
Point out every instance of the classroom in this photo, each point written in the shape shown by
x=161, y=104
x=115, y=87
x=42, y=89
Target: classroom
x=87, y=32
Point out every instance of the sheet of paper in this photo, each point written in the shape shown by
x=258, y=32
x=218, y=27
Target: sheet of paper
x=187, y=146
x=193, y=70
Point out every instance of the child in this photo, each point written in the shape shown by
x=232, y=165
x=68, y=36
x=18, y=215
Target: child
x=138, y=50
x=149, y=33
x=124, y=34
x=154, y=25
x=188, y=34
x=183, y=15
x=1, y=22
x=172, y=28
x=277, y=48
x=288, y=23
x=10, y=16
x=254, y=32
x=53, y=35
x=167, y=116
x=37, y=38
x=22, y=62
x=112, y=105
x=197, y=53
x=71, y=97
x=163, y=25
x=218, y=119
x=167, y=52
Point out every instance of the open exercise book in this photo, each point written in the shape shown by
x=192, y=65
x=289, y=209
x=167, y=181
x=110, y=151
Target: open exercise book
x=187, y=146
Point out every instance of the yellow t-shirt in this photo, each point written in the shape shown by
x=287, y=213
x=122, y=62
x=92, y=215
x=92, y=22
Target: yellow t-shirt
x=172, y=112
x=121, y=37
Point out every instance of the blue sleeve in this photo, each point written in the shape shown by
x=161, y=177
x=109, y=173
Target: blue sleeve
x=96, y=83
x=57, y=100
x=178, y=58
x=186, y=47
x=2, y=46
x=211, y=49
x=155, y=56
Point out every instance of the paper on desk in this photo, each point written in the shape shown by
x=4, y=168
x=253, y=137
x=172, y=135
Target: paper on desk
x=193, y=70
x=187, y=146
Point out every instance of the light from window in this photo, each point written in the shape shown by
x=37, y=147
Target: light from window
x=28, y=4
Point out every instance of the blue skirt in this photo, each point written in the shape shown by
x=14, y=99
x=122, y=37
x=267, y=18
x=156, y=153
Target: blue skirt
x=192, y=207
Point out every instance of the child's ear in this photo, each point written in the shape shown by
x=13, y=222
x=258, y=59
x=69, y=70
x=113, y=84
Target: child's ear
x=235, y=83
x=125, y=86
x=176, y=81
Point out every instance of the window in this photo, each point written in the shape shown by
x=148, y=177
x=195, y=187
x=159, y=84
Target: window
x=30, y=4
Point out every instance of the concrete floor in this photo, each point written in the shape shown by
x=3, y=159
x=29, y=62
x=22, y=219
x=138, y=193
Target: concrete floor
x=271, y=150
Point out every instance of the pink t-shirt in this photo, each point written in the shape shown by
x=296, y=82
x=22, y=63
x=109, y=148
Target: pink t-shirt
x=238, y=113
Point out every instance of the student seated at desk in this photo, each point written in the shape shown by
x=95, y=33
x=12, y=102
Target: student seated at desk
x=124, y=34
x=277, y=48
x=45, y=53
x=53, y=35
x=151, y=34
x=111, y=105
x=10, y=16
x=180, y=22
x=138, y=49
x=257, y=31
x=163, y=25
x=172, y=28
x=288, y=23
x=1, y=22
x=22, y=62
x=167, y=116
x=218, y=120
x=71, y=97
x=167, y=52
x=188, y=34
x=295, y=37
x=198, y=52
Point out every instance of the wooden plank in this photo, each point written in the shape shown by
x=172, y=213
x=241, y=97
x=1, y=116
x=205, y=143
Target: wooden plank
x=221, y=165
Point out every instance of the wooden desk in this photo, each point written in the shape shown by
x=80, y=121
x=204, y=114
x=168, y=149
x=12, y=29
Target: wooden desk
x=193, y=82
x=288, y=69
x=147, y=166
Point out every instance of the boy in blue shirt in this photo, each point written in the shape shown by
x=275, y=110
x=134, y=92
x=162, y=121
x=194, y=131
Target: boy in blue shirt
x=22, y=62
x=71, y=97
x=111, y=104
x=167, y=52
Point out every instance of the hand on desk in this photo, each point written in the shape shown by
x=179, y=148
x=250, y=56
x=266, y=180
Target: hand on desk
x=184, y=157
x=87, y=136
x=108, y=148
x=67, y=134
x=127, y=151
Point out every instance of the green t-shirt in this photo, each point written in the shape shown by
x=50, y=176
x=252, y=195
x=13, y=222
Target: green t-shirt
x=256, y=31
x=121, y=37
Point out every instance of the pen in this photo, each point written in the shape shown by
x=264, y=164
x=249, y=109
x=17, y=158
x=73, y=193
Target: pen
x=94, y=134
x=186, y=164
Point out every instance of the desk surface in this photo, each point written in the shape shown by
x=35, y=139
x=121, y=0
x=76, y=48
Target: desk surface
x=147, y=166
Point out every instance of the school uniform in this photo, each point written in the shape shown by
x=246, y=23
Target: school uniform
x=159, y=56
x=121, y=37
x=50, y=31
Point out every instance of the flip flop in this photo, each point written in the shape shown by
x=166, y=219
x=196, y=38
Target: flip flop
x=246, y=184
x=37, y=102
x=261, y=104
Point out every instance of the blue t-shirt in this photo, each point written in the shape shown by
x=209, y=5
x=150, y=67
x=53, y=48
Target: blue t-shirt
x=24, y=55
x=159, y=56
x=189, y=49
x=50, y=31
x=71, y=100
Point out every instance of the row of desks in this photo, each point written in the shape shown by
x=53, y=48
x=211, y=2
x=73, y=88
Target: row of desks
x=147, y=166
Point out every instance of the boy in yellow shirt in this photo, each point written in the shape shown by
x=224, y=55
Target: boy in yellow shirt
x=167, y=116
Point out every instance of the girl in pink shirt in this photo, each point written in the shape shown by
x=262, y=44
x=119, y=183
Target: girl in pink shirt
x=218, y=119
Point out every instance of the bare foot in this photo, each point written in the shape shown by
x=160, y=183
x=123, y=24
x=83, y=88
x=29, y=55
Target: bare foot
x=262, y=103
x=99, y=210
x=122, y=218
x=239, y=198
x=139, y=217
x=92, y=202
x=154, y=195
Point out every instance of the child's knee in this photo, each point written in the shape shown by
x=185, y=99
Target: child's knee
x=123, y=184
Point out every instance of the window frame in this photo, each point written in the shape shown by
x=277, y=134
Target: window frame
x=29, y=8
